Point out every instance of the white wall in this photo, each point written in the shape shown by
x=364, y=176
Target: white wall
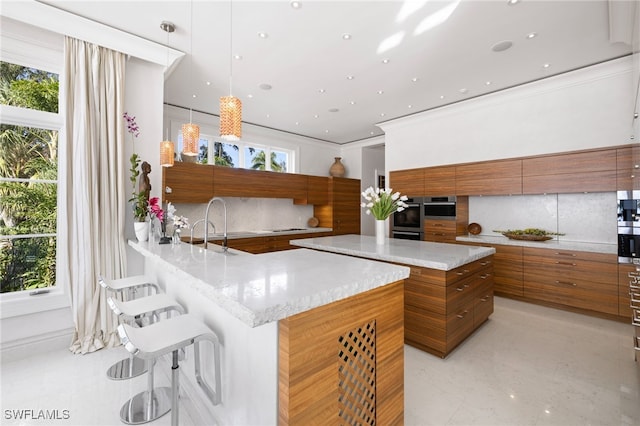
x=372, y=167
x=588, y=108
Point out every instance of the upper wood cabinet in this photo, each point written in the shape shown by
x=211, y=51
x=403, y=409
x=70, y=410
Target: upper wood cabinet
x=572, y=172
x=187, y=183
x=342, y=213
x=440, y=181
x=317, y=191
x=408, y=182
x=489, y=178
x=628, y=168
x=233, y=182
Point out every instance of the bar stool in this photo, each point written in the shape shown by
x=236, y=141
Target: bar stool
x=154, y=402
x=129, y=367
x=172, y=335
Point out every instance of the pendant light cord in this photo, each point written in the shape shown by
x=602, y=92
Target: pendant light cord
x=230, y=47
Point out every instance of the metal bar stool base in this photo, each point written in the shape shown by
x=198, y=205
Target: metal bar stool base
x=137, y=410
x=127, y=368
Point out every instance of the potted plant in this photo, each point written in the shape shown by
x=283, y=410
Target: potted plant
x=382, y=203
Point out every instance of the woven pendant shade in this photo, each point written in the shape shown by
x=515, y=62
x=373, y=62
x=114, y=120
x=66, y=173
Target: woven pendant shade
x=190, y=138
x=166, y=153
x=230, y=118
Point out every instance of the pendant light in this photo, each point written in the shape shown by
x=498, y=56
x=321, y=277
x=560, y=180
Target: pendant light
x=190, y=131
x=167, y=147
x=230, y=106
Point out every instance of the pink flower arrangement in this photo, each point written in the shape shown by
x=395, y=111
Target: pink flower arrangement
x=155, y=209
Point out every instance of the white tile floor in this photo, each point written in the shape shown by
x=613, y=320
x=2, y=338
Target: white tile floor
x=528, y=365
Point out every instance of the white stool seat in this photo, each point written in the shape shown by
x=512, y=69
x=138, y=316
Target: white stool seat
x=155, y=304
x=170, y=336
x=128, y=283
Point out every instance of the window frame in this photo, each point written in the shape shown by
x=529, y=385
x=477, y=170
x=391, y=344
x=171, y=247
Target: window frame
x=38, y=50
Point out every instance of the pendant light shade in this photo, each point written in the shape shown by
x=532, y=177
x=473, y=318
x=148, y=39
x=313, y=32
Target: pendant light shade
x=166, y=153
x=230, y=118
x=190, y=138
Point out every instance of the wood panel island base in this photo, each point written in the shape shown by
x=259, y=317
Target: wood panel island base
x=449, y=292
x=343, y=363
x=306, y=337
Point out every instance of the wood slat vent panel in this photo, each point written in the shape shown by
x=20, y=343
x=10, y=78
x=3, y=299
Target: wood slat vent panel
x=357, y=375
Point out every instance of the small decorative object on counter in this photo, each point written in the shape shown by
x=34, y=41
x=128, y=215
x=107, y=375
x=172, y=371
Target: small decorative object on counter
x=337, y=168
x=528, y=234
x=142, y=230
x=474, y=228
x=313, y=222
x=382, y=203
x=179, y=223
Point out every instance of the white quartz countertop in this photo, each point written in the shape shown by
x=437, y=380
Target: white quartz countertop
x=550, y=244
x=262, y=288
x=440, y=256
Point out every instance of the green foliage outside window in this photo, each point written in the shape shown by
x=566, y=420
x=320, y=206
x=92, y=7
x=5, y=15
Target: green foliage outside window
x=28, y=198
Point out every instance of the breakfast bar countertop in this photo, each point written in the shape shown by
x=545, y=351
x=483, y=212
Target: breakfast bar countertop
x=425, y=254
x=263, y=288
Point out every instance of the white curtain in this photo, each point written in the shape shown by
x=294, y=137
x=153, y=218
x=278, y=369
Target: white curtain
x=93, y=215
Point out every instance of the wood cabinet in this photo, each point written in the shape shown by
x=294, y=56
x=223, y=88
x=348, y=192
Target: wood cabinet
x=570, y=172
x=507, y=269
x=440, y=181
x=234, y=182
x=317, y=190
x=489, y=178
x=342, y=213
x=575, y=279
x=408, y=182
x=440, y=231
x=628, y=168
x=442, y=308
x=187, y=183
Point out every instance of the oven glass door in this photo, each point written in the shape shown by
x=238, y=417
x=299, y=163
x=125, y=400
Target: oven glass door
x=628, y=244
x=406, y=235
x=409, y=218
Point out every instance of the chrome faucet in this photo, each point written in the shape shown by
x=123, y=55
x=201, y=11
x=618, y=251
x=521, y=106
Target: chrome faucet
x=194, y=226
x=206, y=219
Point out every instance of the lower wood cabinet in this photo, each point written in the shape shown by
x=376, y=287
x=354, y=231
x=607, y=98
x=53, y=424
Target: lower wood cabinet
x=267, y=244
x=442, y=308
x=575, y=279
x=624, y=299
x=440, y=231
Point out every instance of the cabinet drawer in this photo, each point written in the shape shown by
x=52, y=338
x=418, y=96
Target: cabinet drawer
x=469, y=269
x=440, y=231
x=425, y=329
x=459, y=325
x=570, y=266
x=581, y=294
x=428, y=297
x=483, y=302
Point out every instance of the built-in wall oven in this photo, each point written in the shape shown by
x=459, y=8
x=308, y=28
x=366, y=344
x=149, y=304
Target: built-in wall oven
x=439, y=207
x=628, y=226
x=408, y=224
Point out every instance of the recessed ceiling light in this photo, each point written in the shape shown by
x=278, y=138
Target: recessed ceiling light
x=371, y=133
x=316, y=116
x=249, y=95
x=464, y=90
x=352, y=102
x=382, y=114
x=350, y=77
x=268, y=115
x=546, y=65
x=297, y=123
x=265, y=86
x=532, y=35
x=512, y=2
x=409, y=106
x=321, y=90
x=262, y=34
x=414, y=79
x=237, y=57
x=208, y=83
x=441, y=96
x=296, y=4
x=380, y=92
x=501, y=46
x=346, y=36
x=326, y=131
x=385, y=61
x=487, y=83
x=194, y=96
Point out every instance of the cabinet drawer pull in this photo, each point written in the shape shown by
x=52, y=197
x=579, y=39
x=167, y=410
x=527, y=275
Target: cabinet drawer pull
x=463, y=314
x=559, y=262
x=465, y=271
x=460, y=288
x=565, y=254
x=485, y=276
x=485, y=263
x=566, y=283
x=438, y=225
x=487, y=297
x=439, y=234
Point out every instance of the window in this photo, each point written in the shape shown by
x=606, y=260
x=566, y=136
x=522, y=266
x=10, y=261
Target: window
x=28, y=178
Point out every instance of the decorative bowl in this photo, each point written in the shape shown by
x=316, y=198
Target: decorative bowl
x=474, y=228
x=526, y=237
x=313, y=222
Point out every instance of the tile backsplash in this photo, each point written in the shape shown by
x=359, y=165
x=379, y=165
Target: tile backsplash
x=590, y=217
x=249, y=214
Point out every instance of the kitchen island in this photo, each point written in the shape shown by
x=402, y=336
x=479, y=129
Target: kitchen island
x=448, y=295
x=307, y=337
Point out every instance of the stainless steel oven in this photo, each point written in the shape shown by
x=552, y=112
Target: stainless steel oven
x=408, y=224
x=439, y=207
x=628, y=208
x=628, y=244
x=628, y=226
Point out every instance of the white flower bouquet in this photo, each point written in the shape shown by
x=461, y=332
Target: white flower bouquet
x=382, y=203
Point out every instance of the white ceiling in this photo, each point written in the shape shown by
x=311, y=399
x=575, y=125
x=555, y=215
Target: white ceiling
x=305, y=53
